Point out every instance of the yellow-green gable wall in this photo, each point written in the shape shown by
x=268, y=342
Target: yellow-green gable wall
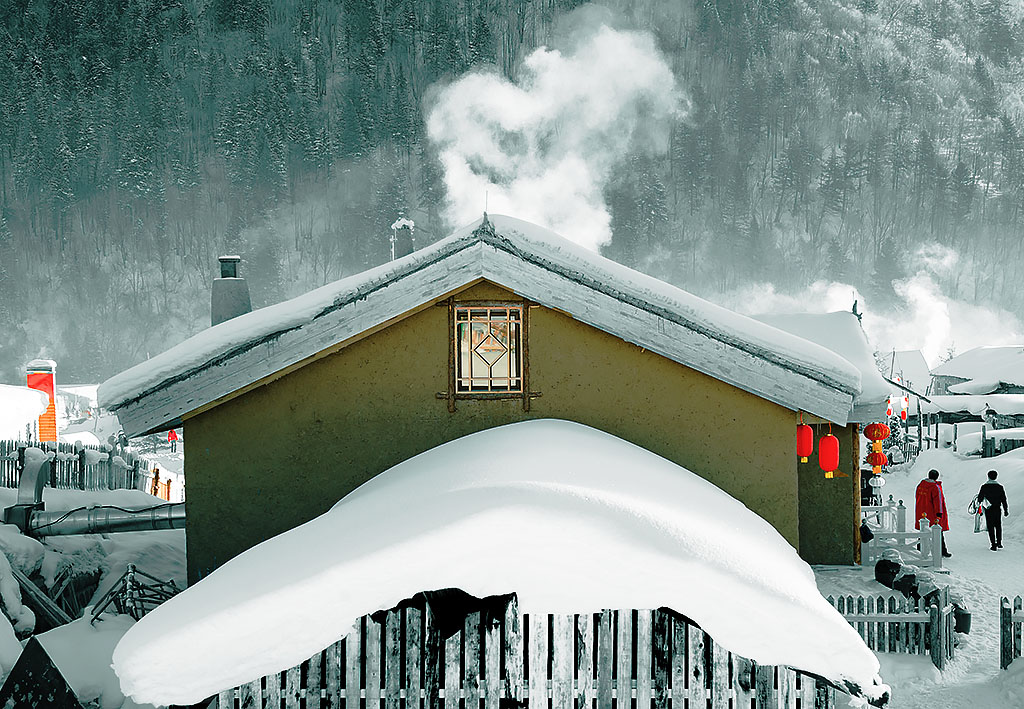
x=283, y=453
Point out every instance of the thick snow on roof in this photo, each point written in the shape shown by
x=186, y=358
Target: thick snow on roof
x=911, y=368
x=529, y=243
x=553, y=518
x=841, y=333
x=19, y=406
x=988, y=364
x=1005, y=404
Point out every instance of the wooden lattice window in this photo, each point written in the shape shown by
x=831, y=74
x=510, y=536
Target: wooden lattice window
x=489, y=350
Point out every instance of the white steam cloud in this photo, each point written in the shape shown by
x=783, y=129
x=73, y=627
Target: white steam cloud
x=928, y=319
x=543, y=148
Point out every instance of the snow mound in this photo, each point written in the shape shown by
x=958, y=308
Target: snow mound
x=572, y=519
x=19, y=406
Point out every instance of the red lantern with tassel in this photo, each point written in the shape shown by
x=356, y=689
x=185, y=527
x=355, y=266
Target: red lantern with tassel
x=804, y=440
x=828, y=453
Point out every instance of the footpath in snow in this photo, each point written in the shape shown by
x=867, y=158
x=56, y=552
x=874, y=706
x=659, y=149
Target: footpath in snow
x=973, y=679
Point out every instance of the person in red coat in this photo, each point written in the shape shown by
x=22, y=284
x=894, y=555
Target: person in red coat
x=931, y=503
x=172, y=438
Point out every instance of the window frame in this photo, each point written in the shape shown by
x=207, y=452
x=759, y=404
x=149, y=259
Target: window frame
x=523, y=392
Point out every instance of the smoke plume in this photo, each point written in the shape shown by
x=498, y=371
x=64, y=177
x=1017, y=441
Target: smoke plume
x=928, y=318
x=543, y=147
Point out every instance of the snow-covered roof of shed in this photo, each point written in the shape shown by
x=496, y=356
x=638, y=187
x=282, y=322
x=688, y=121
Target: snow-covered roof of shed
x=841, y=333
x=551, y=519
x=1004, y=404
x=531, y=261
x=991, y=363
x=912, y=369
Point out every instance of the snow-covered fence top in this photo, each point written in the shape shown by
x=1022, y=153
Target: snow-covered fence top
x=569, y=518
x=531, y=261
x=75, y=467
x=503, y=659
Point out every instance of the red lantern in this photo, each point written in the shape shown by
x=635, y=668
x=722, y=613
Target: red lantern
x=804, y=441
x=903, y=415
x=877, y=459
x=876, y=431
x=828, y=454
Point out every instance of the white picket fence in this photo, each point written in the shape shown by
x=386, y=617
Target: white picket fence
x=888, y=522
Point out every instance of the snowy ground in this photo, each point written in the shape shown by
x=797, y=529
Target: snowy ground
x=981, y=576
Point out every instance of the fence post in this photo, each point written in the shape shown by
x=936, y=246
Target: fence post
x=936, y=543
x=901, y=517
x=935, y=631
x=1005, y=633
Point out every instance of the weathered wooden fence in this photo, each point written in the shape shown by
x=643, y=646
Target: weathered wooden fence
x=1010, y=620
x=587, y=661
x=84, y=468
x=889, y=623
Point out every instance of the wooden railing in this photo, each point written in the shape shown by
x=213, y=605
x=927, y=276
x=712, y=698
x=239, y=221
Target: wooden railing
x=81, y=468
x=1010, y=620
x=889, y=623
x=400, y=659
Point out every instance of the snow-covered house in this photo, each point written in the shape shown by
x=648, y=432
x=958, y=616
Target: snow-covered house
x=289, y=408
x=983, y=370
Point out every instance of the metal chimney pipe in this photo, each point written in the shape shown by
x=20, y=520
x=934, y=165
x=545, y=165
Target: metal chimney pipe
x=100, y=520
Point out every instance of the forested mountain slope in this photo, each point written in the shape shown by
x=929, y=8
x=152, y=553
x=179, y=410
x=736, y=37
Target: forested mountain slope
x=141, y=138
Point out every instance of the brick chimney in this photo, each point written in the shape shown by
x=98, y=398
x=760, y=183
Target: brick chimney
x=230, y=295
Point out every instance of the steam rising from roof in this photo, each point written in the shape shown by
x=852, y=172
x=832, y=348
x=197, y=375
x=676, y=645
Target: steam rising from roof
x=544, y=146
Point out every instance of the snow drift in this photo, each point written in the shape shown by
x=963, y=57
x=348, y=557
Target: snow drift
x=572, y=519
x=19, y=406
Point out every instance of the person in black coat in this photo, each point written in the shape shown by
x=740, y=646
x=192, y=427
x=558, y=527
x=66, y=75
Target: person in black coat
x=991, y=497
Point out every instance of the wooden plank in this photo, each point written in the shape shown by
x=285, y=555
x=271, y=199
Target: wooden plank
x=492, y=662
x=661, y=654
x=538, y=669
x=471, y=665
x=764, y=687
x=332, y=676
x=696, y=666
x=743, y=681
x=935, y=631
x=513, y=691
x=719, y=672
x=314, y=681
x=605, y=659
x=273, y=683
x=585, y=661
x=824, y=696
x=372, y=652
x=292, y=689
x=624, y=656
x=787, y=688
x=250, y=695
x=452, y=670
x=432, y=665
x=226, y=699
x=1017, y=601
x=413, y=657
x=643, y=659
x=1005, y=633
x=563, y=661
x=353, y=666
x=393, y=660
x=677, y=668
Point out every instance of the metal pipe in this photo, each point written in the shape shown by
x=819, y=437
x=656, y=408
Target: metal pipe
x=100, y=520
